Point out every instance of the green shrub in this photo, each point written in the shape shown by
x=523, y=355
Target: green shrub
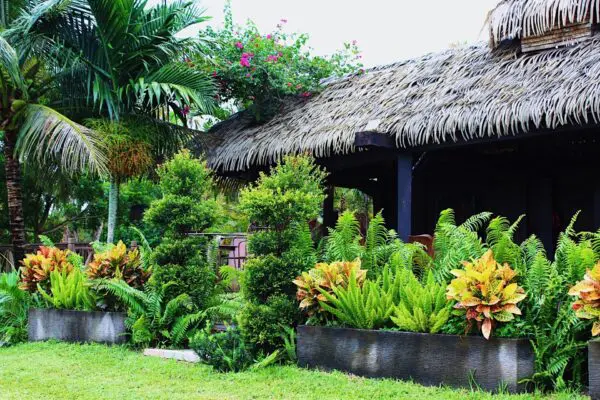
x=266, y=276
x=262, y=324
x=224, y=351
x=178, y=260
x=196, y=278
x=281, y=203
x=180, y=214
x=292, y=193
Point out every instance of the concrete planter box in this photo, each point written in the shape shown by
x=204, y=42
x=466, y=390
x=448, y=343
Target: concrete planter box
x=594, y=368
x=77, y=326
x=427, y=359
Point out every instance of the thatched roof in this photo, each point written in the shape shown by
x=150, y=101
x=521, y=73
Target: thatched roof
x=515, y=19
x=464, y=93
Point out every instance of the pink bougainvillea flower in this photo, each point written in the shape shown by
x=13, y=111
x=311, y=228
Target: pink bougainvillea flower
x=239, y=45
x=244, y=62
x=185, y=110
x=306, y=94
x=248, y=75
x=269, y=36
x=214, y=73
x=289, y=84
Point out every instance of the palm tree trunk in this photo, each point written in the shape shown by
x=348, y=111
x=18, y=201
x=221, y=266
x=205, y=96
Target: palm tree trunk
x=15, y=197
x=113, y=202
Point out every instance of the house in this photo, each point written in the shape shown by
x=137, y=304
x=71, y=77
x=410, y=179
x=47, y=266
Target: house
x=510, y=127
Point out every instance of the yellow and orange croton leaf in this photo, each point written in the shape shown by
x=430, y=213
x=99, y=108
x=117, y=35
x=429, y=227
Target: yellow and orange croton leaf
x=587, y=306
x=486, y=291
x=326, y=277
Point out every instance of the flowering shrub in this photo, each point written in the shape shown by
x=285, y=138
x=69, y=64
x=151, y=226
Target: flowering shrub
x=257, y=70
x=36, y=268
x=588, y=292
x=485, y=292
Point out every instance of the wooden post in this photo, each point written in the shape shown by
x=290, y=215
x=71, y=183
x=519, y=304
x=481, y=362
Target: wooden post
x=71, y=243
x=404, y=164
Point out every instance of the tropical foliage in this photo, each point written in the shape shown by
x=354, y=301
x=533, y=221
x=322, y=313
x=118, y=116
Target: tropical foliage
x=36, y=268
x=366, y=307
x=486, y=292
x=115, y=262
x=153, y=320
x=326, y=277
x=423, y=306
x=588, y=292
x=69, y=291
x=14, y=305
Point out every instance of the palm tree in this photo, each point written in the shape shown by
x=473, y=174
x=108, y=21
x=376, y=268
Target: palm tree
x=35, y=133
x=130, y=61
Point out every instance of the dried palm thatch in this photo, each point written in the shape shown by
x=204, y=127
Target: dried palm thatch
x=516, y=19
x=457, y=94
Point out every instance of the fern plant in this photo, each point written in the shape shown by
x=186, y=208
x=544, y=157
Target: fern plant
x=366, y=307
x=346, y=243
x=14, y=304
x=454, y=243
x=69, y=291
x=152, y=320
x=423, y=306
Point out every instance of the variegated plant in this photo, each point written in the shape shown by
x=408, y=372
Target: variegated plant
x=486, y=292
x=36, y=268
x=117, y=262
x=326, y=277
x=588, y=292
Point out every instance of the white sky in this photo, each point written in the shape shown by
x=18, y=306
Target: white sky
x=386, y=30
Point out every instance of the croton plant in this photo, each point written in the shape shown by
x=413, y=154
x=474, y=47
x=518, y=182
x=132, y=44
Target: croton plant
x=117, y=262
x=325, y=276
x=36, y=268
x=588, y=292
x=486, y=292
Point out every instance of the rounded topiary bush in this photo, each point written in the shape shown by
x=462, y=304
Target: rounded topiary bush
x=263, y=324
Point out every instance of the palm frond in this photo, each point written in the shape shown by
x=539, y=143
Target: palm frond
x=9, y=62
x=47, y=135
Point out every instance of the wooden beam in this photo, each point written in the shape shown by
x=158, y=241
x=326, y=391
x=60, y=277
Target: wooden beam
x=404, y=164
x=374, y=139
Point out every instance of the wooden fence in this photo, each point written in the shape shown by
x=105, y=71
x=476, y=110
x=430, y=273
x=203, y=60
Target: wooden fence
x=231, y=250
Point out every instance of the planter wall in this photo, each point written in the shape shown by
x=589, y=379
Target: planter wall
x=594, y=368
x=427, y=359
x=77, y=326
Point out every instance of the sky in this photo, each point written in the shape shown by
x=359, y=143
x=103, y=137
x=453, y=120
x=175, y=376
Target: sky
x=386, y=30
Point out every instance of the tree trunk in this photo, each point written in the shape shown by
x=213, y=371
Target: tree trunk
x=15, y=197
x=113, y=201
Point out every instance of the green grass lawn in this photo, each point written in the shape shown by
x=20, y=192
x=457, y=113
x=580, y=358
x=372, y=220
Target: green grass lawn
x=66, y=371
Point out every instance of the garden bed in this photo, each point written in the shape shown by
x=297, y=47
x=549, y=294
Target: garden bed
x=76, y=326
x=594, y=368
x=427, y=359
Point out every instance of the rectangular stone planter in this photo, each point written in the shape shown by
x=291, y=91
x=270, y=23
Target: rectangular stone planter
x=594, y=368
x=427, y=359
x=76, y=326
